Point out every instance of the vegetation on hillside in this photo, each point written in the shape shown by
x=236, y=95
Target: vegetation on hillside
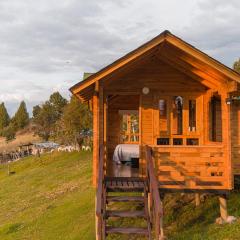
x=56, y=119
x=236, y=65
x=9, y=127
x=61, y=120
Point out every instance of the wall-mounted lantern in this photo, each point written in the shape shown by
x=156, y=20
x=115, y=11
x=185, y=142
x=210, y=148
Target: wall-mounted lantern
x=145, y=90
x=232, y=99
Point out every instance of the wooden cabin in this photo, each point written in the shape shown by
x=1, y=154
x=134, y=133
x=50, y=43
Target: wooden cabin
x=176, y=110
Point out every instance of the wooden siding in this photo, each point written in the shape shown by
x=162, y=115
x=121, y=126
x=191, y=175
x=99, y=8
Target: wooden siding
x=124, y=92
x=235, y=137
x=195, y=167
x=154, y=74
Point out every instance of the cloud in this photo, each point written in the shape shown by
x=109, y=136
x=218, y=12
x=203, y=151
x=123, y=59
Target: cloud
x=47, y=45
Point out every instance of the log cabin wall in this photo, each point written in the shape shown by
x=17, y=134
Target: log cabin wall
x=235, y=137
x=172, y=70
x=164, y=81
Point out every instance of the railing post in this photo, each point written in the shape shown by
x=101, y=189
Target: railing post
x=154, y=192
x=100, y=198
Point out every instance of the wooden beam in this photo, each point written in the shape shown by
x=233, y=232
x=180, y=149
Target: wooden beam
x=120, y=72
x=202, y=66
x=119, y=63
x=181, y=68
x=177, y=42
x=226, y=138
x=95, y=133
x=167, y=52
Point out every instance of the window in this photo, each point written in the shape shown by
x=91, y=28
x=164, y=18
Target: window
x=163, y=117
x=192, y=141
x=162, y=141
x=129, y=129
x=177, y=115
x=192, y=116
x=177, y=141
x=215, y=119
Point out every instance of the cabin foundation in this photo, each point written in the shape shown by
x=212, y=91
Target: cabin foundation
x=223, y=207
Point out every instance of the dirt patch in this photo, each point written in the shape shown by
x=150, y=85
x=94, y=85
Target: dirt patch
x=61, y=190
x=21, y=138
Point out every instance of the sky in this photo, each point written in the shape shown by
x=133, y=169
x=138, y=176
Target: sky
x=47, y=45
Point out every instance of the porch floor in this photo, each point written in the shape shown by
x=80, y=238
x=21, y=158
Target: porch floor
x=121, y=170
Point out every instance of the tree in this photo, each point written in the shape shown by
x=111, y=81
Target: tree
x=9, y=132
x=46, y=116
x=58, y=103
x=236, y=65
x=44, y=121
x=21, y=117
x=36, y=110
x=75, y=119
x=4, y=117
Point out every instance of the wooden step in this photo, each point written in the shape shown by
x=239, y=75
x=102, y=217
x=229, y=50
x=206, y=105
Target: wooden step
x=125, y=230
x=124, y=184
x=130, y=214
x=125, y=199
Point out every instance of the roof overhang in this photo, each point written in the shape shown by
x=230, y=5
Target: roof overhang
x=174, y=51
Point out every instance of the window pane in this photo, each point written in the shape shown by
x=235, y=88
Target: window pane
x=177, y=115
x=163, y=121
x=192, y=115
x=215, y=119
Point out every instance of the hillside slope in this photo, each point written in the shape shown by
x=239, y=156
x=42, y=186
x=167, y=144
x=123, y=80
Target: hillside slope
x=51, y=198
x=47, y=198
x=21, y=138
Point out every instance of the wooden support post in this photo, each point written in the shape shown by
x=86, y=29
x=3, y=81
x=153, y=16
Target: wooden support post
x=162, y=237
x=98, y=224
x=95, y=133
x=197, y=199
x=98, y=126
x=226, y=139
x=223, y=207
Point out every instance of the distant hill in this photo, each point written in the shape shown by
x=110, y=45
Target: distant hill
x=22, y=137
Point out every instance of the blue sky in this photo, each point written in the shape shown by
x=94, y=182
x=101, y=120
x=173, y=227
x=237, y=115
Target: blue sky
x=47, y=45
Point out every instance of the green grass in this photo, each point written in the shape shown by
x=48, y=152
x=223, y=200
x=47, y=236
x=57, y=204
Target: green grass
x=47, y=198
x=51, y=198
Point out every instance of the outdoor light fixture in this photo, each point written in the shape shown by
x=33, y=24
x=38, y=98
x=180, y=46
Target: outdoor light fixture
x=229, y=101
x=232, y=99
x=145, y=90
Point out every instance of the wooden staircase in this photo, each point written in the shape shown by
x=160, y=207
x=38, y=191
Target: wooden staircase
x=137, y=191
x=128, y=186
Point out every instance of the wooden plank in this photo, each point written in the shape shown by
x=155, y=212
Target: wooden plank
x=96, y=134
x=125, y=214
x=125, y=230
x=125, y=199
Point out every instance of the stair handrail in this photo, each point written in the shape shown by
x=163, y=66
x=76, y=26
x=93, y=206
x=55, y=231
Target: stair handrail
x=155, y=196
x=99, y=197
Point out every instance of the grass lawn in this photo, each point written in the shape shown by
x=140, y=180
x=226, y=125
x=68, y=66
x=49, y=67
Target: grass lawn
x=51, y=198
x=47, y=198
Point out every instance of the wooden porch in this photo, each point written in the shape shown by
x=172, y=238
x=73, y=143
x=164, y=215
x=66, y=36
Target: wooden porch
x=172, y=101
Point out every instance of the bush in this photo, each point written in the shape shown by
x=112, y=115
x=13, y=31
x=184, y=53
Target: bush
x=9, y=132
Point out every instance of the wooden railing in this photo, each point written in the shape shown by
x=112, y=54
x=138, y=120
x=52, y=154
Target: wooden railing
x=100, y=197
x=156, y=204
x=191, y=167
